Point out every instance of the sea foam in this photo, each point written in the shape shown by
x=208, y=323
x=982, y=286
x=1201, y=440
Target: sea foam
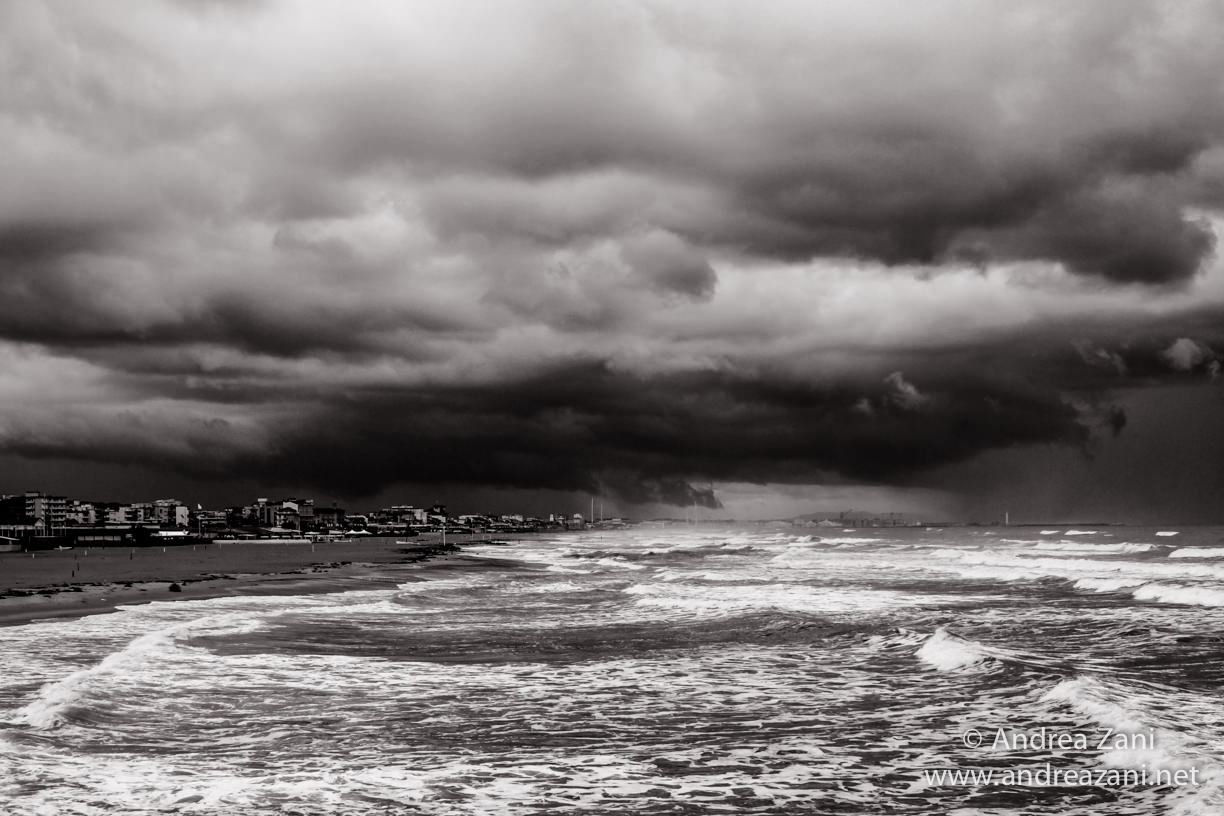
x=1107, y=584
x=1092, y=547
x=55, y=700
x=1198, y=552
x=1177, y=594
x=1147, y=742
x=947, y=652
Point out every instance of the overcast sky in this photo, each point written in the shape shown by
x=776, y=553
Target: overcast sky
x=954, y=258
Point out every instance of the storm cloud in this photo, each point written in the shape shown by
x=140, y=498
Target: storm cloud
x=628, y=248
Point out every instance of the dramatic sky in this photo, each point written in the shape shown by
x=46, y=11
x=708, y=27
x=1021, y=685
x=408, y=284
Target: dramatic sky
x=951, y=258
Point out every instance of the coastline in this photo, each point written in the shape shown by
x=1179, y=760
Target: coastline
x=58, y=584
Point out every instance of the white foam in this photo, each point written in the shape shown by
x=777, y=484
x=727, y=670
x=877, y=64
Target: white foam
x=753, y=692
x=849, y=540
x=1167, y=533
x=1081, y=532
x=1175, y=594
x=948, y=652
x=1050, y=532
x=1009, y=566
x=618, y=563
x=1198, y=552
x=1092, y=547
x=1090, y=697
x=1145, y=744
x=732, y=599
x=1107, y=584
x=53, y=700
x=558, y=586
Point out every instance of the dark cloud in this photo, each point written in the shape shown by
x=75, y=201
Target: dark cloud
x=675, y=492
x=627, y=248
x=586, y=428
x=661, y=260
x=1134, y=233
x=24, y=244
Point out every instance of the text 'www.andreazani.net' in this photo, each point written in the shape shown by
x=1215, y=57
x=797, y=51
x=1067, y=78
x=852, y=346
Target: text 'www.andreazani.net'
x=1049, y=776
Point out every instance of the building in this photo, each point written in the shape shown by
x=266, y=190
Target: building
x=295, y=514
x=138, y=513
x=212, y=520
x=110, y=513
x=171, y=513
x=82, y=513
x=403, y=514
x=14, y=523
x=330, y=518
x=262, y=512
x=52, y=511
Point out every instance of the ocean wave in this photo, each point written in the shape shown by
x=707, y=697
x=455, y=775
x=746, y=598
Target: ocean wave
x=1092, y=547
x=1107, y=584
x=559, y=568
x=1167, y=533
x=708, y=575
x=558, y=586
x=54, y=701
x=851, y=540
x=1092, y=698
x=1143, y=739
x=726, y=599
x=947, y=652
x=1010, y=567
x=1179, y=594
x=1198, y=552
x=617, y=563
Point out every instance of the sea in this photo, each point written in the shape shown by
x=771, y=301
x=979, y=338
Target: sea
x=768, y=669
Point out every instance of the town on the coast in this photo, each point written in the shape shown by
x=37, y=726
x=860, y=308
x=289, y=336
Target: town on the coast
x=37, y=520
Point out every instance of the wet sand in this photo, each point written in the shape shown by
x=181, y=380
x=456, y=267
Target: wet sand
x=86, y=581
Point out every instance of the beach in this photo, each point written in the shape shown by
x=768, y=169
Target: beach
x=755, y=670
x=86, y=581
x=646, y=671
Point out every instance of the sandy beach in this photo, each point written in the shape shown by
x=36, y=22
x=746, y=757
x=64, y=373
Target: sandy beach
x=86, y=581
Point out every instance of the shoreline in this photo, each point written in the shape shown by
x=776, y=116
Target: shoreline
x=62, y=584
